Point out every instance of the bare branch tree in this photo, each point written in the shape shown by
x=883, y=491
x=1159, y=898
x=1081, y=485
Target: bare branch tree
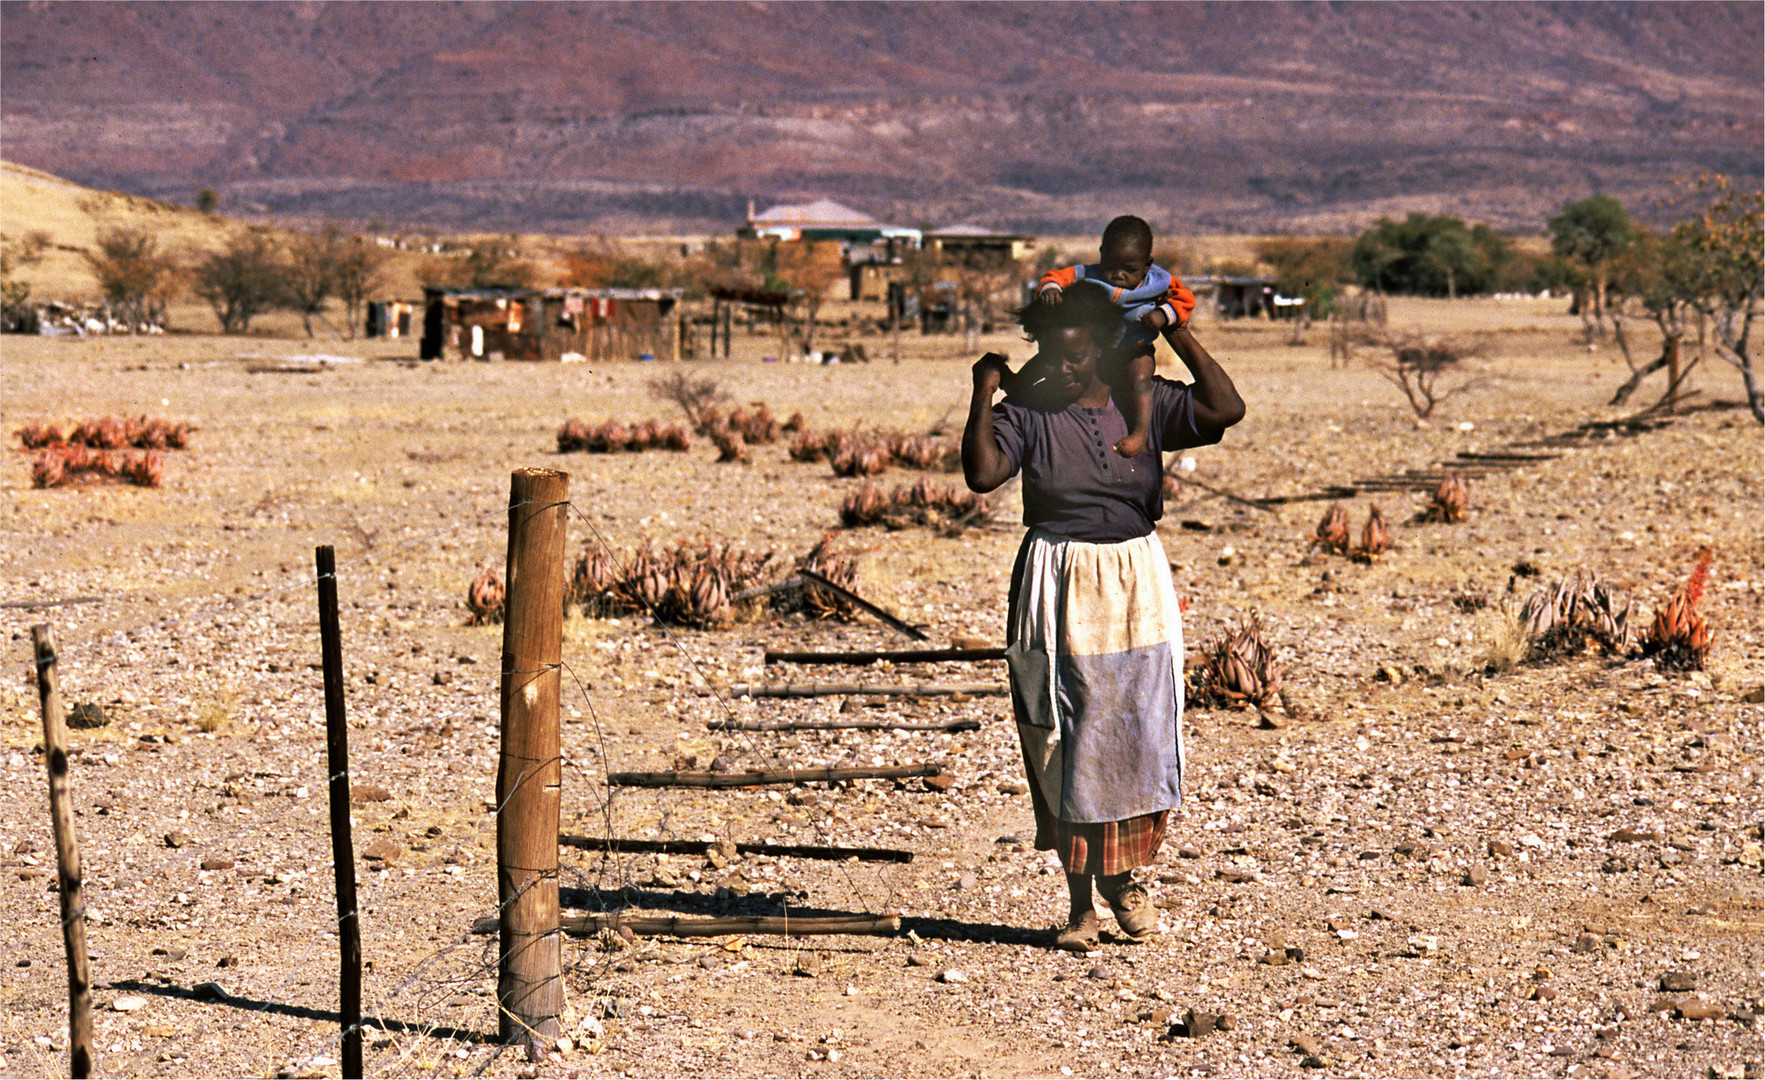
x=1418, y=365
x=311, y=272
x=243, y=281
x=693, y=395
x=361, y=269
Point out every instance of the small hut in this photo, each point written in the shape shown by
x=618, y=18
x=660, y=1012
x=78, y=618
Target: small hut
x=550, y=324
x=390, y=318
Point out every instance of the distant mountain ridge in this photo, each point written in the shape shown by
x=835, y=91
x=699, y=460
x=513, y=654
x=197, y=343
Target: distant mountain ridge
x=1041, y=117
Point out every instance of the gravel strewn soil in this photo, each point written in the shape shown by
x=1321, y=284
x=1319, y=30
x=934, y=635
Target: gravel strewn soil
x=1420, y=866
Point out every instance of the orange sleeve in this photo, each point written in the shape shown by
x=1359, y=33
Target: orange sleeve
x=1181, y=300
x=1062, y=278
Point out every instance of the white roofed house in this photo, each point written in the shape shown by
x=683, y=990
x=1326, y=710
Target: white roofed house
x=868, y=247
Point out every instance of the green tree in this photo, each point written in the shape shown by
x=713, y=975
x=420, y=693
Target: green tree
x=133, y=273
x=242, y=281
x=1428, y=256
x=1313, y=269
x=1591, y=233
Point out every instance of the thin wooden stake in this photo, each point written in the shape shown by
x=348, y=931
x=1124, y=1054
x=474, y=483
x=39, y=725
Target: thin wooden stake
x=530, y=986
x=894, y=656
x=788, y=690
x=770, y=776
x=349, y=930
x=67, y=858
x=692, y=847
x=909, y=629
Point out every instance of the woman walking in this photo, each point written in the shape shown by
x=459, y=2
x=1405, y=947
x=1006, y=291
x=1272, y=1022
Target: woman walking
x=1094, y=641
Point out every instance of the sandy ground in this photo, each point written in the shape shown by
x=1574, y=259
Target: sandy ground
x=1317, y=890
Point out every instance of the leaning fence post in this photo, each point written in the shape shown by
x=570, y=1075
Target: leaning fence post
x=67, y=858
x=530, y=987
x=349, y=930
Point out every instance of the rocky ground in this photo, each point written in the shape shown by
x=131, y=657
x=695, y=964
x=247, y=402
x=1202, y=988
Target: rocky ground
x=1425, y=865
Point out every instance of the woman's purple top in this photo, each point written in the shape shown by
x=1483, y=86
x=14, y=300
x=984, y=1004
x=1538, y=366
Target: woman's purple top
x=1074, y=483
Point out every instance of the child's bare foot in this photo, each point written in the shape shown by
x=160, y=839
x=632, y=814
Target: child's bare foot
x=1132, y=445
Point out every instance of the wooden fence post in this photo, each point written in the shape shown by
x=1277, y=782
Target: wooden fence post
x=67, y=858
x=530, y=986
x=349, y=929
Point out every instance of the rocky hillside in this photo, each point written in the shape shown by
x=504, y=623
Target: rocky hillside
x=1264, y=117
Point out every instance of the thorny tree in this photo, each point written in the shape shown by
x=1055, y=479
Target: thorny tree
x=807, y=269
x=134, y=274
x=693, y=395
x=1590, y=234
x=1418, y=365
x=1723, y=274
x=313, y=258
x=243, y=281
x=360, y=270
x=1706, y=271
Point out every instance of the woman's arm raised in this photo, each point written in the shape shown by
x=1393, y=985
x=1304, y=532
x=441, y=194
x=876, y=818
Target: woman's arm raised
x=1217, y=404
x=984, y=466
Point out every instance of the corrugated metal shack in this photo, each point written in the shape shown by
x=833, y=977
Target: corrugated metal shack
x=550, y=324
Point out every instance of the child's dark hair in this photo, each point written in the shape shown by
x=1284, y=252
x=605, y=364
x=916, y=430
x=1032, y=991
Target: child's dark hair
x=1127, y=229
x=1085, y=305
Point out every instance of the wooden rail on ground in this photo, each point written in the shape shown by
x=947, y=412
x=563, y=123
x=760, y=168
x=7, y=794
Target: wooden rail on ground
x=893, y=656
x=769, y=776
x=789, y=690
x=691, y=847
x=753, y=925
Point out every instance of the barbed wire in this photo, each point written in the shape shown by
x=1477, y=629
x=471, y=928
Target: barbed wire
x=117, y=637
x=434, y=991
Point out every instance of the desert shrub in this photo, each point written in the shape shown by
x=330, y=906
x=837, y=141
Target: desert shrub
x=1236, y=669
x=1679, y=638
x=1574, y=615
x=695, y=394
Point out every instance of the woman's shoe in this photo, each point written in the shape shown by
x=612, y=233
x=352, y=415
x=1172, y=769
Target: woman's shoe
x=1081, y=934
x=1134, y=912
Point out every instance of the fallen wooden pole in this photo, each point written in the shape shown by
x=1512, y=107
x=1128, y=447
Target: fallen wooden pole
x=769, y=776
x=1229, y=496
x=778, y=925
x=788, y=690
x=1493, y=456
x=841, y=725
x=909, y=629
x=1339, y=491
x=530, y=984
x=67, y=858
x=349, y=930
x=674, y=926
x=893, y=656
x=692, y=847
x=38, y=605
